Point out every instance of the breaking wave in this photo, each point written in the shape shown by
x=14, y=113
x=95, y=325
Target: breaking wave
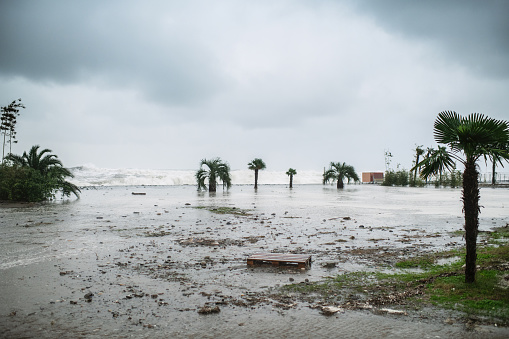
x=90, y=175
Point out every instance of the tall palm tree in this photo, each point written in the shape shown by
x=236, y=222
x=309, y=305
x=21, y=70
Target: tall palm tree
x=338, y=172
x=291, y=172
x=49, y=166
x=256, y=165
x=468, y=138
x=217, y=170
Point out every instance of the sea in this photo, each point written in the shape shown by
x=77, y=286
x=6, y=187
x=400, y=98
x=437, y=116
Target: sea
x=90, y=175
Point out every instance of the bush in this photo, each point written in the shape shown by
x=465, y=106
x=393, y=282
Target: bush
x=25, y=184
x=399, y=178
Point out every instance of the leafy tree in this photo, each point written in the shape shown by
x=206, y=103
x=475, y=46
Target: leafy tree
x=40, y=174
x=256, y=165
x=291, y=172
x=8, y=123
x=216, y=170
x=468, y=138
x=338, y=172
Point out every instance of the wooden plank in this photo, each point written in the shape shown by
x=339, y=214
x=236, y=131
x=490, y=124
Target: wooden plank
x=302, y=260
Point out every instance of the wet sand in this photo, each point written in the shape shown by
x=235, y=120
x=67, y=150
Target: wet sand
x=122, y=265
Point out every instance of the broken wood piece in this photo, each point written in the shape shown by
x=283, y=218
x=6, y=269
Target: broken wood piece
x=276, y=259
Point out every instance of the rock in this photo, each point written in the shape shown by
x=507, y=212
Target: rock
x=449, y=321
x=331, y=310
x=209, y=309
x=88, y=296
x=329, y=265
x=390, y=311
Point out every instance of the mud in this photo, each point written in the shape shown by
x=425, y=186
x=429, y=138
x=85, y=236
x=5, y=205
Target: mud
x=172, y=263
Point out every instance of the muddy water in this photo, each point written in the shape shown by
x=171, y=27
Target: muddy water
x=122, y=265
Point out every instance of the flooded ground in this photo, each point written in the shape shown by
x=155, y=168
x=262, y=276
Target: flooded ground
x=122, y=265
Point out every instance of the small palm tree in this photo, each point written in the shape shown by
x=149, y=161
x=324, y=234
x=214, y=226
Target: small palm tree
x=468, y=138
x=418, y=152
x=49, y=166
x=441, y=161
x=256, y=165
x=217, y=170
x=291, y=172
x=494, y=160
x=338, y=172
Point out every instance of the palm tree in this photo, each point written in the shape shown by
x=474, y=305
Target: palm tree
x=338, y=172
x=291, y=172
x=441, y=161
x=418, y=152
x=217, y=169
x=494, y=159
x=468, y=138
x=256, y=165
x=49, y=166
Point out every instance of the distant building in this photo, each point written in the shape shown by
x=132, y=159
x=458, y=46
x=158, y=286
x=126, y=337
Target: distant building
x=373, y=177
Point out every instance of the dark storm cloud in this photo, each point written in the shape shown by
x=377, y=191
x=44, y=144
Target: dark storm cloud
x=111, y=42
x=473, y=32
x=319, y=81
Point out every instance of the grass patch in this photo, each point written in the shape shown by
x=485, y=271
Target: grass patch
x=484, y=297
x=225, y=210
x=439, y=285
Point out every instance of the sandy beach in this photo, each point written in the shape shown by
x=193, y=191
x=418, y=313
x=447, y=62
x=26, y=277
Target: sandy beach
x=119, y=265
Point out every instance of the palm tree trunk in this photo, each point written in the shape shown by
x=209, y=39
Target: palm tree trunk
x=212, y=185
x=291, y=181
x=256, y=179
x=340, y=183
x=416, y=162
x=493, y=173
x=471, y=210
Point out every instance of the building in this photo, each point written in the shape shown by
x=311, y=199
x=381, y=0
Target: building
x=373, y=177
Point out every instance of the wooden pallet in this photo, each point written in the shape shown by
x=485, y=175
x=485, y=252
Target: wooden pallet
x=276, y=259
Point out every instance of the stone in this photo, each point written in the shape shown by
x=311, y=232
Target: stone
x=331, y=310
x=209, y=309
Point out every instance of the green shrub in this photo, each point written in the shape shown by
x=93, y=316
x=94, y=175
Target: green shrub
x=25, y=184
x=399, y=178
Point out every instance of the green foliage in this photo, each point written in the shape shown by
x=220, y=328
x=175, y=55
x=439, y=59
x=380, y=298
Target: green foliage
x=468, y=138
x=339, y=172
x=35, y=176
x=257, y=164
x=216, y=170
x=25, y=184
x=291, y=172
x=393, y=178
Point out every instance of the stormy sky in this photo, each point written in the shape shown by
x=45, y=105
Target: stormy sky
x=164, y=84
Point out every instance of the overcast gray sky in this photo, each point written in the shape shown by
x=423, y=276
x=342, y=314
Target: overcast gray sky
x=163, y=84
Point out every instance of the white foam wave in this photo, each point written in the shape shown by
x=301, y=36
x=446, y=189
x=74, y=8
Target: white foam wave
x=89, y=175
